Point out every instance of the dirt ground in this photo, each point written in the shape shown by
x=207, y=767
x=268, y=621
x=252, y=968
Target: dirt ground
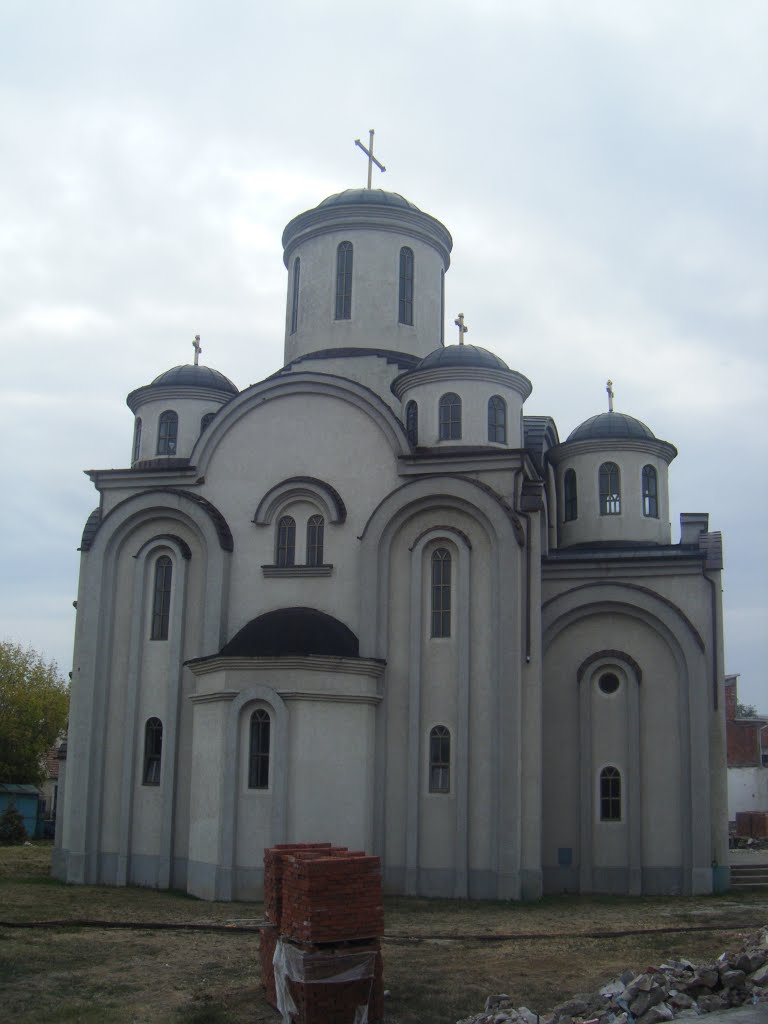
x=441, y=958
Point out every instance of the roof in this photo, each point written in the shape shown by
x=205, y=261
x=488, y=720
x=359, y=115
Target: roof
x=19, y=789
x=195, y=376
x=610, y=425
x=293, y=631
x=462, y=355
x=368, y=196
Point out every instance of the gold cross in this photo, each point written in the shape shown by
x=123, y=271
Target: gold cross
x=609, y=389
x=459, y=321
x=197, y=347
x=369, y=153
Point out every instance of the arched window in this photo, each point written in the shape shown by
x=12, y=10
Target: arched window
x=441, y=592
x=153, y=751
x=344, y=281
x=136, y=439
x=286, y=541
x=167, y=431
x=161, y=601
x=610, y=794
x=206, y=420
x=412, y=422
x=569, y=493
x=439, y=760
x=497, y=419
x=405, y=307
x=650, y=493
x=450, y=417
x=315, y=532
x=258, y=750
x=295, y=295
x=610, y=490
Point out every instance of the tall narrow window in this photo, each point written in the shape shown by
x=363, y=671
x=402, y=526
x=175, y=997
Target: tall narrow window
x=258, y=759
x=204, y=422
x=295, y=295
x=286, y=542
x=344, y=281
x=161, y=602
x=441, y=592
x=153, y=751
x=405, y=309
x=497, y=419
x=315, y=531
x=442, y=307
x=650, y=493
x=166, y=434
x=610, y=490
x=570, y=495
x=412, y=422
x=450, y=417
x=439, y=760
x=610, y=794
x=136, y=439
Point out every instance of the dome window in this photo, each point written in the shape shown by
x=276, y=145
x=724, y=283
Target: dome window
x=497, y=420
x=610, y=490
x=167, y=432
x=136, y=439
x=205, y=421
x=650, y=493
x=344, y=281
x=570, y=496
x=450, y=417
x=405, y=309
x=412, y=422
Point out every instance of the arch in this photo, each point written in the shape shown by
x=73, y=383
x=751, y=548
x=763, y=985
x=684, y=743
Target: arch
x=167, y=432
x=285, y=541
x=449, y=417
x=344, y=254
x=570, y=496
x=405, y=297
x=609, y=479
x=293, y=631
x=608, y=655
x=650, y=492
x=497, y=420
x=296, y=488
x=412, y=422
x=295, y=295
x=136, y=453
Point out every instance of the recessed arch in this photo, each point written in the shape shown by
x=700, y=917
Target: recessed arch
x=298, y=488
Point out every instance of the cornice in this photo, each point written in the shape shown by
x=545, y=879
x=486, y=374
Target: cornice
x=309, y=662
x=603, y=445
x=175, y=393
x=439, y=374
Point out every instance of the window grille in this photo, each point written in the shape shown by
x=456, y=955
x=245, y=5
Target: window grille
x=439, y=760
x=610, y=794
x=571, y=497
x=344, y=281
x=153, y=751
x=497, y=420
x=285, y=554
x=610, y=490
x=315, y=533
x=161, y=602
x=405, y=307
x=258, y=760
x=450, y=417
x=441, y=593
x=650, y=493
x=412, y=422
x=167, y=433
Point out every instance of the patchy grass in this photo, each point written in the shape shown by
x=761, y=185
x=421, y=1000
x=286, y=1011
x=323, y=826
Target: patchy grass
x=441, y=957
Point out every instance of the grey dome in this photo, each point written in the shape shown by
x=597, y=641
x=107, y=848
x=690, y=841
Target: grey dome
x=462, y=355
x=610, y=425
x=368, y=196
x=197, y=377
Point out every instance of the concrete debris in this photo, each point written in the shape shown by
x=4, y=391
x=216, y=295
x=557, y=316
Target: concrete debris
x=676, y=989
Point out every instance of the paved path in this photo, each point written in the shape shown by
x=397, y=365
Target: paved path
x=740, y=1015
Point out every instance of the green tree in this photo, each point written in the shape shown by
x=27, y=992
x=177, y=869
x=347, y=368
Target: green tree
x=34, y=701
x=12, y=831
x=746, y=710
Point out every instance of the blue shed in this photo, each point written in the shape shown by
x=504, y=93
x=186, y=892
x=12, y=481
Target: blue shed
x=26, y=797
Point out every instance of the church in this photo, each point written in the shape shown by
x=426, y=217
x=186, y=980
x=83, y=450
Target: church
x=370, y=601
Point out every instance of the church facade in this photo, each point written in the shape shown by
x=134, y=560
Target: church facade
x=369, y=600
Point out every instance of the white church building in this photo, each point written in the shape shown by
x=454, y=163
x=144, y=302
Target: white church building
x=369, y=600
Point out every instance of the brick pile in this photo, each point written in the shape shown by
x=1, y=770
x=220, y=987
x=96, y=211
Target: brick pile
x=324, y=907
x=752, y=824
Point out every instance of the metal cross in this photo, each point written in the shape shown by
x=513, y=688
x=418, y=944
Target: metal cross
x=197, y=347
x=459, y=321
x=609, y=389
x=369, y=153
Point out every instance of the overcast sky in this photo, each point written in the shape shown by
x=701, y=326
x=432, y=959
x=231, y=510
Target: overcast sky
x=602, y=166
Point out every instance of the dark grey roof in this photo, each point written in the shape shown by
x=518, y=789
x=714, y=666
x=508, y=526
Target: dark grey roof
x=368, y=196
x=462, y=355
x=610, y=424
x=196, y=376
x=293, y=631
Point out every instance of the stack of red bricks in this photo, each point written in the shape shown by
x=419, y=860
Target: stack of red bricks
x=752, y=823
x=325, y=903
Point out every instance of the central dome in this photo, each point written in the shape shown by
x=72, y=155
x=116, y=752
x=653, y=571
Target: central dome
x=610, y=424
x=195, y=376
x=462, y=355
x=376, y=196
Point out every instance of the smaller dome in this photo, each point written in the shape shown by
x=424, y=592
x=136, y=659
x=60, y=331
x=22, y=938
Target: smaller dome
x=374, y=196
x=293, y=631
x=197, y=377
x=610, y=425
x=462, y=355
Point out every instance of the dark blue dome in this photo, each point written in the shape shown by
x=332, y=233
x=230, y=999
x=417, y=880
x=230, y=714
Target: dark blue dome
x=196, y=377
x=462, y=355
x=293, y=631
x=368, y=196
x=610, y=425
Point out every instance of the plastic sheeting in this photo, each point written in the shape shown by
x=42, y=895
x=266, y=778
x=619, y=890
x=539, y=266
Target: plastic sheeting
x=293, y=964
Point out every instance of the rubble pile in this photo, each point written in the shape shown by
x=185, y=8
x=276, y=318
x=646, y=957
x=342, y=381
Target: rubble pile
x=675, y=989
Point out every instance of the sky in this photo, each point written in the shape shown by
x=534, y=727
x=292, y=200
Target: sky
x=602, y=168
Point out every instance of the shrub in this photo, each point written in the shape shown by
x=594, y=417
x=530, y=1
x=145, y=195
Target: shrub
x=12, y=831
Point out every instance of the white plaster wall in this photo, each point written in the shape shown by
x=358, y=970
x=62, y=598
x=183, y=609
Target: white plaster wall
x=474, y=396
x=747, y=790
x=190, y=409
x=372, y=371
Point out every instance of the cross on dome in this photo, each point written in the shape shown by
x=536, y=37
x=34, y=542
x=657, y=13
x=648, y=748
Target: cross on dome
x=369, y=153
x=197, y=347
x=609, y=389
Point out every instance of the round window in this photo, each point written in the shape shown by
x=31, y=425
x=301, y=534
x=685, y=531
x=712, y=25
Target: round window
x=608, y=682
